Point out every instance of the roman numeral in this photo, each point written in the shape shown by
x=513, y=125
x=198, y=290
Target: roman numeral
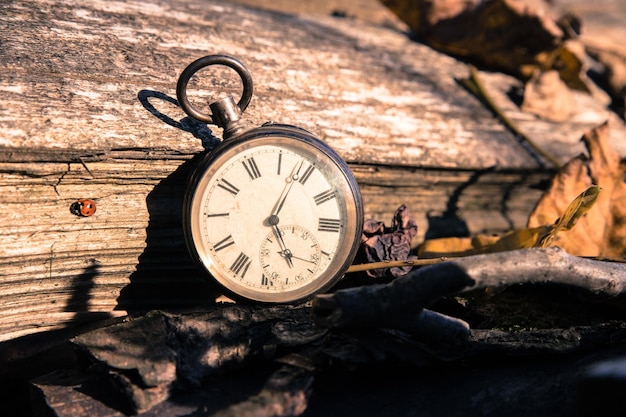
x=225, y=185
x=241, y=264
x=329, y=225
x=251, y=168
x=224, y=243
x=307, y=174
x=280, y=161
x=265, y=280
x=324, y=197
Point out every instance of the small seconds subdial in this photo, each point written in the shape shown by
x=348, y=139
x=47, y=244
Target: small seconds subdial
x=294, y=260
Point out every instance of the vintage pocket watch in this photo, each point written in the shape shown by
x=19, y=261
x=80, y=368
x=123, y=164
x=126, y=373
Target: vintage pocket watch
x=273, y=214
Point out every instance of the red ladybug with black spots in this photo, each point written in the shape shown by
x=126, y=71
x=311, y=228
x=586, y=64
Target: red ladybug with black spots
x=83, y=207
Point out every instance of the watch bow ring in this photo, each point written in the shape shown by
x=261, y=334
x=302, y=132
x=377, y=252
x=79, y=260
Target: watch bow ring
x=197, y=65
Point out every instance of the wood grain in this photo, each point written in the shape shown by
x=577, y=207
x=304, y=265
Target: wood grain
x=88, y=111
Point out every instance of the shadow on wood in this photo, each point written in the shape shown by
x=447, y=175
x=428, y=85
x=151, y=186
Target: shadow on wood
x=449, y=223
x=199, y=129
x=166, y=276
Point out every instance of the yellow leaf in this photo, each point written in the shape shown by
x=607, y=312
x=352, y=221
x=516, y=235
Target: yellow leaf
x=575, y=210
x=446, y=247
x=520, y=239
x=516, y=239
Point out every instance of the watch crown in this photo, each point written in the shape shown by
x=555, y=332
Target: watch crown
x=227, y=115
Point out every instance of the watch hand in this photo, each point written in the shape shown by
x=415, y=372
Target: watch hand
x=302, y=259
x=286, y=253
x=290, y=180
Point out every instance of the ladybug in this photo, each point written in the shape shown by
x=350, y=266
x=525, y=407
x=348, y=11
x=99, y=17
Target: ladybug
x=83, y=207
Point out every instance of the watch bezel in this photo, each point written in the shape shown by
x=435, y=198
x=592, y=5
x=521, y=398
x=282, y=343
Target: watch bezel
x=303, y=142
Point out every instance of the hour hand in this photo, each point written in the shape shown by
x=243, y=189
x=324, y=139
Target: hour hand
x=286, y=253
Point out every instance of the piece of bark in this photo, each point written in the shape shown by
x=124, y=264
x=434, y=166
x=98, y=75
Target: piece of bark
x=138, y=398
x=545, y=341
x=286, y=393
x=234, y=337
x=69, y=393
x=544, y=384
x=152, y=355
x=121, y=345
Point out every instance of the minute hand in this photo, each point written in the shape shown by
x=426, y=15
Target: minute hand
x=293, y=177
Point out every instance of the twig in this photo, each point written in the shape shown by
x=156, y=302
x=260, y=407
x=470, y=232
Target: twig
x=398, y=304
x=395, y=264
x=476, y=87
x=544, y=265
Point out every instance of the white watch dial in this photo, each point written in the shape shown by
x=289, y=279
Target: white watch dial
x=270, y=219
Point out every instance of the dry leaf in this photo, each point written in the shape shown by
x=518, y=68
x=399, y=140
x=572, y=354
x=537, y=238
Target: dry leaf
x=576, y=209
x=466, y=246
x=506, y=35
x=547, y=96
x=382, y=243
x=602, y=231
x=517, y=239
x=571, y=61
x=584, y=182
x=452, y=246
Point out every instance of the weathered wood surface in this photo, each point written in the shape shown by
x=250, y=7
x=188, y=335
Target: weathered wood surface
x=88, y=111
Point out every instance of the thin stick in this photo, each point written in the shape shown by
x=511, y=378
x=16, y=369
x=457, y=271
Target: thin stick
x=395, y=264
x=475, y=85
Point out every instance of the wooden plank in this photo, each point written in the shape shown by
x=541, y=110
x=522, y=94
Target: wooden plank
x=88, y=111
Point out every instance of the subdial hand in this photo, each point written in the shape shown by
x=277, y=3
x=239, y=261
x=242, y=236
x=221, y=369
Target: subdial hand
x=287, y=255
x=303, y=259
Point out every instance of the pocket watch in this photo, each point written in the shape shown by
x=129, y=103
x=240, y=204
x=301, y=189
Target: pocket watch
x=273, y=214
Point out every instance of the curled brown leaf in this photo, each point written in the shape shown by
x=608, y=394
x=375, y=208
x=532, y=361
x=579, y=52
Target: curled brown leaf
x=382, y=243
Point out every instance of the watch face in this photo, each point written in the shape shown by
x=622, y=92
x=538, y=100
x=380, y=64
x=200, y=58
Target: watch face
x=273, y=218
